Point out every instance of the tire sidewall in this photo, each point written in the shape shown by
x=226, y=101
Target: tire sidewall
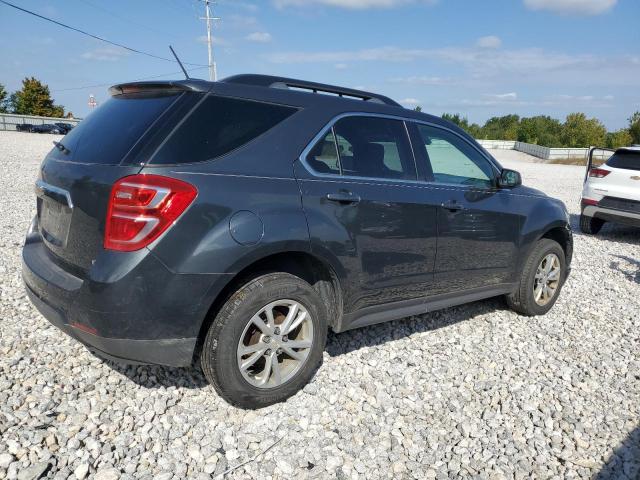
x=244, y=305
x=546, y=247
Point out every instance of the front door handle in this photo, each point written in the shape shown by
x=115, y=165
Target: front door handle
x=452, y=206
x=343, y=197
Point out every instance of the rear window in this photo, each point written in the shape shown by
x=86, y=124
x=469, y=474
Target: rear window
x=108, y=133
x=625, y=159
x=218, y=126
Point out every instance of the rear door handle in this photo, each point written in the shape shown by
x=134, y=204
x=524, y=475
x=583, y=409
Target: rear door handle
x=452, y=206
x=343, y=197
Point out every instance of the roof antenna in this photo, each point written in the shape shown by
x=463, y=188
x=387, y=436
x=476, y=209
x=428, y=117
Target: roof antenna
x=179, y=62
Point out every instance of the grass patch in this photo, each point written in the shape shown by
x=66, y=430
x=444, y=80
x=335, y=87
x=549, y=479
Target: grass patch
x=576, y=161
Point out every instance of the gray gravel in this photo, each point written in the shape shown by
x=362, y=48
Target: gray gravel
x=472, y=391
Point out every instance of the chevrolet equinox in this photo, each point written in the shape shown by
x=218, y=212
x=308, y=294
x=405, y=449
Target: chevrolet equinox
x=234, y=222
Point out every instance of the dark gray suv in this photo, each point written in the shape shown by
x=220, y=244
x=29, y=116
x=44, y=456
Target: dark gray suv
x=235, y=222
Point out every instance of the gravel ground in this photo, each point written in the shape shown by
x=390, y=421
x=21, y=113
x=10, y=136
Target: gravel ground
x=472, y=391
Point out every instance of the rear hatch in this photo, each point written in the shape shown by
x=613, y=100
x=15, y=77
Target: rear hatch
x=618, y=178
x=76, y=177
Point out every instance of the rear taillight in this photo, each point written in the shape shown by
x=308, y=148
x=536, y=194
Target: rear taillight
x=599, y=172
x=588, y=201
x=141, y=207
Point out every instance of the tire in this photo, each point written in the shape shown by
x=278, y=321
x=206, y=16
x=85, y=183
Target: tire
x=590, y=225
x=523, y=299
x=220, y=358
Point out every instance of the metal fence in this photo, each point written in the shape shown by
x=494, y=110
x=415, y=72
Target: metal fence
x=545, y=153
x=8, y=121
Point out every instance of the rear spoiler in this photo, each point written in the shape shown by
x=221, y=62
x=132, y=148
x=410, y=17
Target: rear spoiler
x=161, y=86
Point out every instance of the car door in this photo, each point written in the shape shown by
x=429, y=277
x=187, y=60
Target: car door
x=478, y=226
x=365, y=211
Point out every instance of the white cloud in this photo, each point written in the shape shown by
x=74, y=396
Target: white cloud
x=576, y=7
x=350, y=4
x=340, y=66
x=410, y=101
x=423, y=80
x=521, y=65
x=501, y=96
x=490, y=41
x=259, y=37
x=107, y=54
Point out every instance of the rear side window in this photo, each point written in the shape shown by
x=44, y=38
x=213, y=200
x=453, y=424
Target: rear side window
x=374, y=147
x=625, y=159
x=218, y=126
x=108, y=133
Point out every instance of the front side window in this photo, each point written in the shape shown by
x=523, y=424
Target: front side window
x=453, y=160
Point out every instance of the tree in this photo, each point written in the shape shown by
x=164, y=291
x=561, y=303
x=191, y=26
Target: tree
x=35, y=99
x=634, y=127
x=620, y=138
x=580, y=131
x=502, y=128
x=418, y=108
x=541, y=130
x=456, y=119
x=4, y=102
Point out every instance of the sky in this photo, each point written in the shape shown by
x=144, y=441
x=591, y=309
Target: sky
x=478, y=58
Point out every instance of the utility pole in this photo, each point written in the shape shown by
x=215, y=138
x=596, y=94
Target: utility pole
x=213, y=74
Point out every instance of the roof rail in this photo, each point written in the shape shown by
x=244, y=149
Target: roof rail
x=292, y=83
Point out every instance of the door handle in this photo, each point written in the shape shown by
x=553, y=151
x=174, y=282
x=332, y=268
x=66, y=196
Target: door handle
x=452, y=206
x=343, y=197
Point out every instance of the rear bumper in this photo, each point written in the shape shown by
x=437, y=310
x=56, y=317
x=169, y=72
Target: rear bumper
x=177, y=352
x=612, y=215
x=146, y=314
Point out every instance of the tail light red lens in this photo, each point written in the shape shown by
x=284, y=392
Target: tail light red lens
x=588, y=201
x=599, y=172
x=141, y=207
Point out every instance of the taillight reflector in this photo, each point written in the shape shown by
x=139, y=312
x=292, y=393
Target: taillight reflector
x=141, y=207
x=599, y=172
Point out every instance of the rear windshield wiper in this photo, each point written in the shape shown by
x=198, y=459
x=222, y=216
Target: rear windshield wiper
x=62, y=148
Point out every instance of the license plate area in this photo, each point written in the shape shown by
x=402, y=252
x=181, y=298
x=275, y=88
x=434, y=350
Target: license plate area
x=54, y=218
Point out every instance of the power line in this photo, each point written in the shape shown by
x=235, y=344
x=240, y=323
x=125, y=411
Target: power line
x=94, y=36
x=135, y=80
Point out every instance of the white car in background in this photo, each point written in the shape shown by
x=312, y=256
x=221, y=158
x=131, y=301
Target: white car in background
x=611, y=191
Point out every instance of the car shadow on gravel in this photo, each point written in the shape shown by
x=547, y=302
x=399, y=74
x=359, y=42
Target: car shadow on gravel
x=626, y=267
x=610, y=231
x=345, y=342
x=158, y=376
x=624, y=461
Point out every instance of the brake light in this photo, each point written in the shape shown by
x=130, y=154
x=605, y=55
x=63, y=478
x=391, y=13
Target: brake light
x=599, y=172
x=588, y=201
x=141, y=207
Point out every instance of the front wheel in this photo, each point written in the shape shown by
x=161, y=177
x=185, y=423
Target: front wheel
x=266, y=342
x=541, y=281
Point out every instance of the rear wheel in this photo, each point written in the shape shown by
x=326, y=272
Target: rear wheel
x=590, y=225
x=541, y=281
x=266, y=342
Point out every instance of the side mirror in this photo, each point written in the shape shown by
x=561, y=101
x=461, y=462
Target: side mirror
x=509, y=179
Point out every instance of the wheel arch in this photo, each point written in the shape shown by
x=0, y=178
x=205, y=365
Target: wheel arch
x=314, y=270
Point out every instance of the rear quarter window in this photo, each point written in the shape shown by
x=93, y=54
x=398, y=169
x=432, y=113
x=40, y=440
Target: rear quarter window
x=218, y=126
x=627, y=160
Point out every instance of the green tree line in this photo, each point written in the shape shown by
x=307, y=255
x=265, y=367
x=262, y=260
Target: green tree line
x=34, y=98
x=576, y=131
